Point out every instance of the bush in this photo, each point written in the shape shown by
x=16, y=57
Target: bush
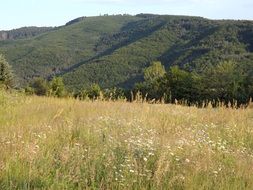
x=114, y=94
x=40, y=86
x=6, y=74
x=57, y=87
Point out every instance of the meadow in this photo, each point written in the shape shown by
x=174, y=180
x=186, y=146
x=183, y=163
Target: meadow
x=50, y=143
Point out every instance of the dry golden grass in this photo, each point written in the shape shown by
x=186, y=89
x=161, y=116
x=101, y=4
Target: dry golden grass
x=49, y=143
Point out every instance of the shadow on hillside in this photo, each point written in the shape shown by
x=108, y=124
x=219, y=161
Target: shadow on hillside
x=136, y=30
x=129, y=83
x=187, y=52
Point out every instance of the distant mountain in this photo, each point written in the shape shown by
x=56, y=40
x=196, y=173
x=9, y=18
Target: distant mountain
x=22, y=33
x=114, y=50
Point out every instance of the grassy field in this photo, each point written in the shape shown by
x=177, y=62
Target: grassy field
x=48, y=143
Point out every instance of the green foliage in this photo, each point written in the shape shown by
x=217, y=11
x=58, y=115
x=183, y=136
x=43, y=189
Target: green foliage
x=114, y=94
x=29, y=90
x=151, y=86
x=93, y=92
x=191, y=43
x=6, y=75
x=113, y=51
x=154, y=72
x=226, y=83
x=182, y=85
x=57, y=87
x=61, y=49
x=40, y=86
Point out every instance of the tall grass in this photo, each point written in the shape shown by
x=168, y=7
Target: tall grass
x=48, y=143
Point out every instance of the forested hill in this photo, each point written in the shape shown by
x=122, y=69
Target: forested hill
x=22, y=33
x=114, y=50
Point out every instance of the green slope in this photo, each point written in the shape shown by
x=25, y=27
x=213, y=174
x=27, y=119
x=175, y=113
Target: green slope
x=23, y=33
x=114, y=50
x=192, y=43
x=52, y=52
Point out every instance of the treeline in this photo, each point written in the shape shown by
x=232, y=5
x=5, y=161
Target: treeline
x=227, y=83
x=56, y=88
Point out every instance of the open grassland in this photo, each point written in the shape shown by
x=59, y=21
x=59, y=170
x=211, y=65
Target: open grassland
x=48, y=143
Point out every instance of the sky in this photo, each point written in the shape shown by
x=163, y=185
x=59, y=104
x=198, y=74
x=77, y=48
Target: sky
x=19, y=13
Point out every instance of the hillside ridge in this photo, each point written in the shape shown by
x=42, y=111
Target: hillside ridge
x=114, y=50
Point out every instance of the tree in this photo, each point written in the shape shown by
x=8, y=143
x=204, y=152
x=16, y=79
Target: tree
x=154, y=72
x=57, y=87
x=181, y=85
x=29, y=90
x=247, y=69
x=40, y=86
x=94, y=91
x=224, y=83
x=6, y=74
x=152, y=78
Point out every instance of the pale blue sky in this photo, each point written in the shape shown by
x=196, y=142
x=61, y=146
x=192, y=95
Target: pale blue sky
x=17, y=13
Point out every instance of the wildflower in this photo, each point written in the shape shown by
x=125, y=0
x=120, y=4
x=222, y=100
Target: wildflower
x=187, y=160
x=151, y=154
x=145, y=159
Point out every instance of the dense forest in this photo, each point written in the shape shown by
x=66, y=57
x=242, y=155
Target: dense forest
x=22, y=33
x=170, y=58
